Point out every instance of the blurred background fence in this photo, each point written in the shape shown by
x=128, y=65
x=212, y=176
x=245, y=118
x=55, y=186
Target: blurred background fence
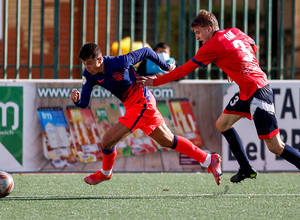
x=40, y=39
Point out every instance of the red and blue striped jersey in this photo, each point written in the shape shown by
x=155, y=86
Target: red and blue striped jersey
x=120, y=77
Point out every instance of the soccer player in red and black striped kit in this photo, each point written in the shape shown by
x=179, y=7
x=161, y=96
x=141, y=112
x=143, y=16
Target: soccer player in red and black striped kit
x=234, y=52
x=118, y=75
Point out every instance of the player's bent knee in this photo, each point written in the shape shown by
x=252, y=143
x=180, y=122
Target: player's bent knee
x=276, y=151
x=221, y=127
x=107, y=143
x=275, y=148
x=275, y=144
x=218, y=126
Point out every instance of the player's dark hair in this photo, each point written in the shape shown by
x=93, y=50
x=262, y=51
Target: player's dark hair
x=205, y=19
x=161, y=45
x=90, y=50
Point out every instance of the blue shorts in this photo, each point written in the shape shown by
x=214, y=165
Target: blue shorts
x=260, y=108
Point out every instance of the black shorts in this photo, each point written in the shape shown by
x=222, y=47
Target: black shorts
x=260, y=108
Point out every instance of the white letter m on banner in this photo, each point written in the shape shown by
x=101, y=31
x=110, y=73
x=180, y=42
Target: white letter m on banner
x=4, y=114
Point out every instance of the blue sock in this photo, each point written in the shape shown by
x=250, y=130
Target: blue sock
x=291, y=155
x=237, y=148
x=109, y=151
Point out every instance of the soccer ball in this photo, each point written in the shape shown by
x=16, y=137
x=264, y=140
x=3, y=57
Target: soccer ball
x=6, y=184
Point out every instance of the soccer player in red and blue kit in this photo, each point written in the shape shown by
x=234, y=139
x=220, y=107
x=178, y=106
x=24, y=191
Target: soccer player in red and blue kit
x=234, y=52
x=118, y=75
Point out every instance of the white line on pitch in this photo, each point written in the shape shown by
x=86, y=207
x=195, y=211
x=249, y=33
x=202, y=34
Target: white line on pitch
x=145, y=196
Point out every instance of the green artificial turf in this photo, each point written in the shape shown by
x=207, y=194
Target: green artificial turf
x=153, y=196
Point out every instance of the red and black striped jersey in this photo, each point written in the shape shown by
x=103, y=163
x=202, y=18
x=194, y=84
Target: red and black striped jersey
x=232, y=51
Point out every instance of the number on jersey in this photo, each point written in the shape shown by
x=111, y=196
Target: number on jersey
x=239, y=44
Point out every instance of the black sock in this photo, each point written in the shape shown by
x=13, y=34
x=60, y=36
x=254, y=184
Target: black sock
x=236, y=146
x=291, y=155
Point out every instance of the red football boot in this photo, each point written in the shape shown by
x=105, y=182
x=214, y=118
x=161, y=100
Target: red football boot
x=97, y=177
x=215, y=167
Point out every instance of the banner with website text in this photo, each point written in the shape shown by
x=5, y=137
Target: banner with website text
x=42, y=130
x=23, y=144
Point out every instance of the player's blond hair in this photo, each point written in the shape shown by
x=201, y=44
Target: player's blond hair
x=204, y=19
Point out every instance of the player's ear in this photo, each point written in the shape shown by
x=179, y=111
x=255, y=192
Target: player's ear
x=100, y=59
x=209, y=29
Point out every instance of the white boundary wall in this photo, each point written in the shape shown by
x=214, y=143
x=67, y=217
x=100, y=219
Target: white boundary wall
x=286, y=98
x=199, y=92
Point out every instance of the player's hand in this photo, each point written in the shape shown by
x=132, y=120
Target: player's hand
x=145, y=80
x=229, y=79
x=75, y=95
x=172, y=67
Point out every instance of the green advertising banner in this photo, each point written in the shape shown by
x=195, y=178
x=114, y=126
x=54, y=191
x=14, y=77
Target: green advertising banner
x=11, y=120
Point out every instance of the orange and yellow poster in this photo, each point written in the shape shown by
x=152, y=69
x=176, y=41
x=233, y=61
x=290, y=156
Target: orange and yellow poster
x=85, y=134
x=184, y=120
x=185, y=126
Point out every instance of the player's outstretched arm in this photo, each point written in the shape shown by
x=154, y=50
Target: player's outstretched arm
x=177, y=73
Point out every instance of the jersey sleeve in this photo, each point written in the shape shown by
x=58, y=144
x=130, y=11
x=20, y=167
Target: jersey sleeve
x=146, y=53
x=178, y=73
x=142, y=68
x=87, y=88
